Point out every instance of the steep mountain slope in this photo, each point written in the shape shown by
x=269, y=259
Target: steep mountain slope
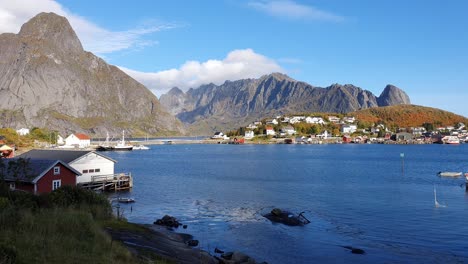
x=48, y=80
x=236, y=103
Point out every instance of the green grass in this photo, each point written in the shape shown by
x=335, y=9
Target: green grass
x=66, y=226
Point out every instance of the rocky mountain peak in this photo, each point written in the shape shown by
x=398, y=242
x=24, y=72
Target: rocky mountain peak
x=277, y=76
x=47, y=80
x=52, y=28
x=393, y=95
x=175, y=91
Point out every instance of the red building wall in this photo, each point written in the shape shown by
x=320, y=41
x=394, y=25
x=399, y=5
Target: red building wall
x=29, y=187
x=67, y=177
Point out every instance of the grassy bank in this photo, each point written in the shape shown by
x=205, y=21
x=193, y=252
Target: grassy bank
x=66, y=226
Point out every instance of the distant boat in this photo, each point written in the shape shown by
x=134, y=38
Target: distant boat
x=141, y=147
x=125, y=200
x=449, y=174
x=122, y=145
x=106, y=146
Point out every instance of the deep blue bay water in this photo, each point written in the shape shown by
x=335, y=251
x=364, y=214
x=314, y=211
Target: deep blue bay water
x=355, y=195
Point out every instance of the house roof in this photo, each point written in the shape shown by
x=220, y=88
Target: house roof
x=82, y=136
x=67, y=156
x=5, y=147
x=33, y=170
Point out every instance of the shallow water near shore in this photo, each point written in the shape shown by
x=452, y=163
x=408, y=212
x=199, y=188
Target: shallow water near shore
x=364, y=196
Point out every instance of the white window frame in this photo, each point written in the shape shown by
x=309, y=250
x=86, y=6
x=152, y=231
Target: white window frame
x=57, y=170
x=56, y=184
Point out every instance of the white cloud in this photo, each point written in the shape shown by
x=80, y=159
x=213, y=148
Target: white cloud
x=238, y=64
x=292, y=10
x=13, y=14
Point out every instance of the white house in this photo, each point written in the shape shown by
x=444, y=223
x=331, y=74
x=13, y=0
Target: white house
x=296, y=119
x=272, y=122
x=270, y=131
x=324, y=135
x=249, y=134
x=289, y=130
x=334, y=119
x=23, y=131
x=88, y=163
x=219, y=135
x=349, y=119
x=252, y=126
x=348, y=129
x=314, y=120
x=78, y=140
x=60, y=140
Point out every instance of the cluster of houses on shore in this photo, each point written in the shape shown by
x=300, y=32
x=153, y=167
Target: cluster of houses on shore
x=349, y=131
x=74, y=140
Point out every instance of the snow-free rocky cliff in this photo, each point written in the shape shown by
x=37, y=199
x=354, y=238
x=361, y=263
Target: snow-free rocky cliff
x=236, y=103
x=48, y=80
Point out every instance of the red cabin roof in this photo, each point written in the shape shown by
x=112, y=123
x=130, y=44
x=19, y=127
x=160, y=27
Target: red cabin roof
x=82, y=136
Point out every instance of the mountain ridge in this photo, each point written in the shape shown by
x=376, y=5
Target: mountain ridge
x=48, y=80
x=233, y=103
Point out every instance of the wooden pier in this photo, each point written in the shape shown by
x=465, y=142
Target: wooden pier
x=112, y=182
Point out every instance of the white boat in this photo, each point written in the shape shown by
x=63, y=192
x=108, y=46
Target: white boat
x=122, y=145
x=451, y=140
x=449, y=174
x=141, y=147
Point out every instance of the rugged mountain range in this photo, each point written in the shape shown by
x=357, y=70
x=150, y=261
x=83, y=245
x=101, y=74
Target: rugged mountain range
x=48, y=80
x=236, y=103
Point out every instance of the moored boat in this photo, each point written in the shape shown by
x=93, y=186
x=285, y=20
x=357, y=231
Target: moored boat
x=125, y=200
x=449, y=174
x=141, y=147
x=122, y=145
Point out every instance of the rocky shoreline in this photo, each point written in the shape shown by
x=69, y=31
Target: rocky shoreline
x=158, y=241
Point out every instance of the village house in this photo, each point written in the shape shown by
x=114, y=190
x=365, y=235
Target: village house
x=296, y=119
x=252, y=126
x=78, y=140
x=60, y=140
x=334, y=119
x=23, y=131
x=249, y=134
x=219, y=135
x=88, y=163
x=349, y=119
x=288, y=130
x=418, y=130
x=323, y=135
x=403, y=136
x=269, y=131
x=314, y=120
x=272, y=121
x=346, y=139
x=37, y=175
x=348, y=129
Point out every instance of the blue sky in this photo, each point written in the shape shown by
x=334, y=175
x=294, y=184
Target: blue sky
x=419, y=46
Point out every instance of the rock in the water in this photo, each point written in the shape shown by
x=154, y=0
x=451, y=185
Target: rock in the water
x=355, y=250
x=192, y=243
x=284, y=217
x=168, y=221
